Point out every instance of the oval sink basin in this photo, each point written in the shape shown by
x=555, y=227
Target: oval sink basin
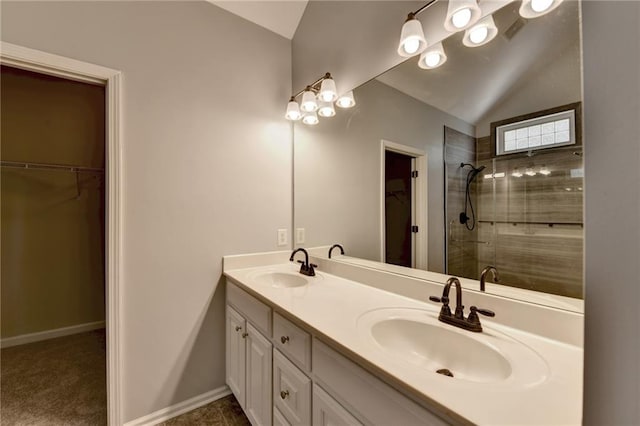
x=436, y=348
x=281, y=279
x=411, y=338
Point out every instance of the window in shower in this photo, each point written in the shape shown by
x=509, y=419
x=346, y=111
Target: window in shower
x=540, y=130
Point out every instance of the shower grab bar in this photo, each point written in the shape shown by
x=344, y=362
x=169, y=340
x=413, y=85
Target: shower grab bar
x=471, y=241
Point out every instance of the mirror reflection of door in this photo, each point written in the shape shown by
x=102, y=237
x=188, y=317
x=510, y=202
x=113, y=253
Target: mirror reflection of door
x=399, y=209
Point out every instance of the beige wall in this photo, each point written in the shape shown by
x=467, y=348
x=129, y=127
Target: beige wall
x=612, y=235
x=52, y=241
x=206, y=169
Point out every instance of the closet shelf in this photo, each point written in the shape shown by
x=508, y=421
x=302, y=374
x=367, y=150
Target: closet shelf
x=43, y=166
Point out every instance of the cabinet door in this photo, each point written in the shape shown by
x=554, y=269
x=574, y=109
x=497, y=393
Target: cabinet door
x=235, y=365
x=258, y=397
x=328, y=412
x=292, y=391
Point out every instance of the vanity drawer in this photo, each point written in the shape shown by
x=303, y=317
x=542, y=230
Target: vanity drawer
x=292, y=341
x=291, y=391
x=363, y=394
x=254, y=310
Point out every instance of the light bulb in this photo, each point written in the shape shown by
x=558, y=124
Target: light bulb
x=530, y=172
x=346, y=101
x=432, y=59
x=540, y=5
x=545, y=171
x=310, y=119
x=411, y=45
x=326, y=109
x=478, y=34
x=461, y=18
x=516, y=173
x=328, y=92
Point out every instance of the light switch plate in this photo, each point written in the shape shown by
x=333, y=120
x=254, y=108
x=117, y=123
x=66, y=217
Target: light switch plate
x=282, y=237
x=300, y=235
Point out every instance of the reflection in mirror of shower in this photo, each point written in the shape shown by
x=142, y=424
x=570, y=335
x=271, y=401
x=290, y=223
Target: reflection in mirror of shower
x=529, y=219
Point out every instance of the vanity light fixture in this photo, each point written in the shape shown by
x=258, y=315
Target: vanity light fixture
x=461, y=14
x=326, y=109
x=433, y=57
x=544, y=171
x=347, y=100
x=309, y=103
x=317, y=99
x=533, y=8
x=530, y=172
x=481, y=33
x=310, y=118
x=293, y=110
x=516, y=173
x=412, y=41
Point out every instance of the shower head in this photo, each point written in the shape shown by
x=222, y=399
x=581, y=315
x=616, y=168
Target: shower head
x=476, y=170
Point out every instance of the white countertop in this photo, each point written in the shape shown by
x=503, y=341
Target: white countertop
x=333, y=306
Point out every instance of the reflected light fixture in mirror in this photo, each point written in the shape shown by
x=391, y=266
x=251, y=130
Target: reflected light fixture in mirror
x=412, y=39
x=461, y=14
x=481, y=33
x=317, y=99
x=534, y=8
x=347, y=100
x=433, y=57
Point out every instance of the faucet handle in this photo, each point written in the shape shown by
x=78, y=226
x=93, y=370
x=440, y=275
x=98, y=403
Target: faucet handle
x=482, y=311
x=444, y=300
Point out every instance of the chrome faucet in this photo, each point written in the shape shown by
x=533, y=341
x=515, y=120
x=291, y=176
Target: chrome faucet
x=336, y=246
x=306, y=268
x=483, y=275
x=472, y=323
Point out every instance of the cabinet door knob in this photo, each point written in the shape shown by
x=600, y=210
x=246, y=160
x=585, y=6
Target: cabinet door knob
x=284, y=394
x=284, y=339
x=238, y=328
x=244, y=335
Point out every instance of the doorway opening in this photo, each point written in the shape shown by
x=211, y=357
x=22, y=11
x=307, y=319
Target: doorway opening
x=53, y=244
x=403, y=206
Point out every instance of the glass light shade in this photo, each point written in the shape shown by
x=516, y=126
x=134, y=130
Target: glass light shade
x=328, y=92
x=310, y=118
x=346, y=101
x=326, y=109
x=309, y=103
x=412, y=41
x=481, y=33
x=433, y=57
x=461, y=14
x=534, y=8
x=293, y=111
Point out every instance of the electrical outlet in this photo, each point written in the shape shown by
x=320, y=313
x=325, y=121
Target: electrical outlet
x=300, y=236
x=282, y=237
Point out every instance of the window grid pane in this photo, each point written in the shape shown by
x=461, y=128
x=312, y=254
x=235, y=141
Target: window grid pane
x=540, y=132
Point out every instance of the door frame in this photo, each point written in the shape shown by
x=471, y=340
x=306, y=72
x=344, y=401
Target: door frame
x=420, y=203
x=59, y=66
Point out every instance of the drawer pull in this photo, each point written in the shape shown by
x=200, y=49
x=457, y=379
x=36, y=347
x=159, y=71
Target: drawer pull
x=238, y=328
x=244, y=335
x=284, y=339
x=284, y=394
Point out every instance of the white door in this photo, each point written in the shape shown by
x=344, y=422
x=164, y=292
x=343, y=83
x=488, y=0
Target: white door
x=258, y=362
x=236, y=354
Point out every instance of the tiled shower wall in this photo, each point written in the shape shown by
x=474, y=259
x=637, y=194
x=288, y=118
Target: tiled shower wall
x=529, y=226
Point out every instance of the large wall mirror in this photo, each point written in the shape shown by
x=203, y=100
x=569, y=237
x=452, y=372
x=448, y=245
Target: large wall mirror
x=495, y=136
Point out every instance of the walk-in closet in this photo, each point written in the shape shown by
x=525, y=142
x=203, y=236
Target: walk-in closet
x=52, y=250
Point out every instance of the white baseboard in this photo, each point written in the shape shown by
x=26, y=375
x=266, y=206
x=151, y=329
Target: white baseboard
x=180, y=408
x=50, y=334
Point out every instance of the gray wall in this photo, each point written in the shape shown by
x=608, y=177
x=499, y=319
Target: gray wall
x=611, y=86
x=612, y=212
x=337, y=169
x=206, y=170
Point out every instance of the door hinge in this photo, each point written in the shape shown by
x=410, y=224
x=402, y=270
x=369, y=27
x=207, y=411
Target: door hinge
x=414, y=228
x=414, y=174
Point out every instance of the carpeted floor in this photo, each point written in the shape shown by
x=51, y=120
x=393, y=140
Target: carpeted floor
x=55, y=382
x=223, y=412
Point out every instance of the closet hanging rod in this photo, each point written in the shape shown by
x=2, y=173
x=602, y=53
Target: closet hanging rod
x=42, y=166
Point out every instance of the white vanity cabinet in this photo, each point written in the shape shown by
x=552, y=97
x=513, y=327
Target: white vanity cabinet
x=292, y=378
x=249, y=355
